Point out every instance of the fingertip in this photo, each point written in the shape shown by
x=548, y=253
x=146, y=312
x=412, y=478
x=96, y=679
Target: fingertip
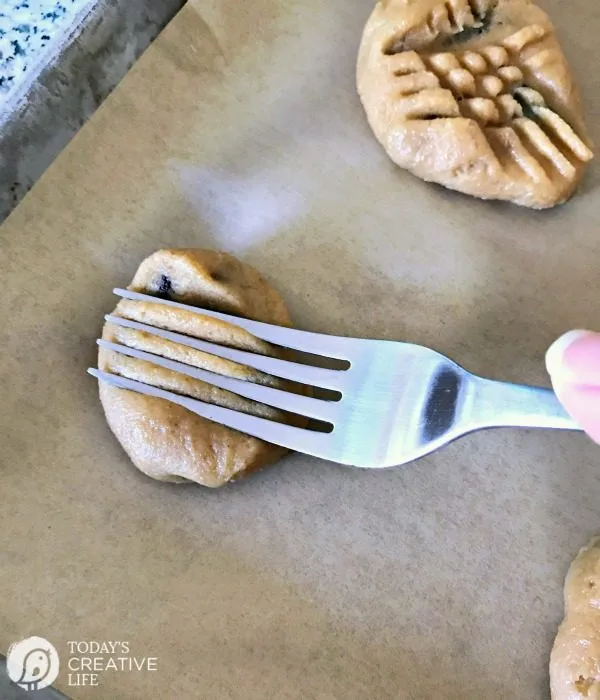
x=582, y=403
x=556, y=352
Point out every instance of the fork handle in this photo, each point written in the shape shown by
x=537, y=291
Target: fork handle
x=501, y=404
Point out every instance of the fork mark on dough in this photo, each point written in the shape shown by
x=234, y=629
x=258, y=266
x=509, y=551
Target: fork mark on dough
x=532, y=34
x=542, y=143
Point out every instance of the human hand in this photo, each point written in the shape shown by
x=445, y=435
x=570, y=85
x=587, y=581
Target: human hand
x=573, y=363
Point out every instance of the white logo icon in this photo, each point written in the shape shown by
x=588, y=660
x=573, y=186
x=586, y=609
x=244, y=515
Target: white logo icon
x=32, y=663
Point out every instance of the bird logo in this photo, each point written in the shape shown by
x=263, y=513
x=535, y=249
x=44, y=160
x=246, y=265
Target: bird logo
x=36, y=666
x=32, y=663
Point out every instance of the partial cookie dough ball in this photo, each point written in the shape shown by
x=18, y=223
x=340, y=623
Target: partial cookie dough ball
x=166, y=441
x=575, y=659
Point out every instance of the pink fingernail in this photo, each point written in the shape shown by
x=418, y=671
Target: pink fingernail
x=575, y=358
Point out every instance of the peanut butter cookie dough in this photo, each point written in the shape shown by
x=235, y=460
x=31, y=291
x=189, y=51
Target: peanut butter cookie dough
x=475, y=95
x=575, y=659
x=164, y=440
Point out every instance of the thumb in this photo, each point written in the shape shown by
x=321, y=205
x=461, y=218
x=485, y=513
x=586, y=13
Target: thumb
x=573, y=363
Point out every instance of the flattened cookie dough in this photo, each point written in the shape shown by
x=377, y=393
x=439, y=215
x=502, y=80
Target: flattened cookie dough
x=164, y=440
x=475, y=95
x=575, y=659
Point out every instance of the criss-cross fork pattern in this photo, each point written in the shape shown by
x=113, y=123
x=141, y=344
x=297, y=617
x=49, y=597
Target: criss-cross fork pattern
x=488, y=86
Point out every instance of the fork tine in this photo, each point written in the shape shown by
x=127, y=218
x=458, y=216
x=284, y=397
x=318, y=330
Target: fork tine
x=294, y=403
x=315, y=343
x=297, y=439
x=305, y=374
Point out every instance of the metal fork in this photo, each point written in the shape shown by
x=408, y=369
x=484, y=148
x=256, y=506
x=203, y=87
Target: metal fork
x=399, y=401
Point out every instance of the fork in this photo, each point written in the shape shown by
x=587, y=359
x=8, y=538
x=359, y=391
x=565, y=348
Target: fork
x=399, y=401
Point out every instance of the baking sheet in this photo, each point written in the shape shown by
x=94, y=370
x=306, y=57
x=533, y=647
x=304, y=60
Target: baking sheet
x=240, y=130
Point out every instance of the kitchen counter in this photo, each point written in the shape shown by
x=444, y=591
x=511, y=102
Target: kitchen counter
x=59, y=59
x=31, y=32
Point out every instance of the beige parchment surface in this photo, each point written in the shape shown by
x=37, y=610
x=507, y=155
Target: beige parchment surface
x=240, y=130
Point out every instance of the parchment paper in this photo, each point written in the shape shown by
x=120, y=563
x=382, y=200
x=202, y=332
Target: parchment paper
x=240, y=130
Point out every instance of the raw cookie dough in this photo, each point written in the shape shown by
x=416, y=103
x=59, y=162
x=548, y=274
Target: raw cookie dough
x=164, y=440
x=475, y=95
x=575, y=659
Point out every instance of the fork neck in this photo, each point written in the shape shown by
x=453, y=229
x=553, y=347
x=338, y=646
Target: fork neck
x=496, y=404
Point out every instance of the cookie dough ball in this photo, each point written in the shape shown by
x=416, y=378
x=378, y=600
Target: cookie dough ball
x=164, y=440
x=575, y=659
x=476, y=96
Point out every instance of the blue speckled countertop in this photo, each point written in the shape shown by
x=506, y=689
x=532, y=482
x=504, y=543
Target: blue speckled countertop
x=30, y=30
